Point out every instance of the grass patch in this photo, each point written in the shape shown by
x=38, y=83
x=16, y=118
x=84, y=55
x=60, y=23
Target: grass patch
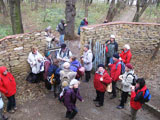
x=5, y=30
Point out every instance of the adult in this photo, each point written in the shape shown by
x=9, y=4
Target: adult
x=127, y=80
x=8, y=88
x=66, y=74
x=85, y=21
x=101, y=79
x=111, y=48
x=87, y=61
x=61, y=29
x=36, y=61
x=70, y=98
x=137, y=93
x=81, y=25
x=106, y=20
x=74, y=64
x=64, y=55
x=115, y=73
x=126, y=54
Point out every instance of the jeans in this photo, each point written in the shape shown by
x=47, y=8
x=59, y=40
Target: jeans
x=114, y=88
x=11, y=103
x=100, y=97
x=87, y=75
x=124, y=97
x=61, y=39
x=133, y=114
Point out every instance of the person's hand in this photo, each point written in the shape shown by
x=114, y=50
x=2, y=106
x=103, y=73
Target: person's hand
x=101, y=79
x=65, y=25
x=108, y=42
x=132, y=88
x=82, y=100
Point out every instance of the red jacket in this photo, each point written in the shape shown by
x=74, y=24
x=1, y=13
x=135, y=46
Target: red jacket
x=126, y=57
x=115, y=72
x=7, y=83
x=101, y=85
x=136, y=104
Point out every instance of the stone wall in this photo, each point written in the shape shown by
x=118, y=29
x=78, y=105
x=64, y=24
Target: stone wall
x=142, y=37
x=14, y=52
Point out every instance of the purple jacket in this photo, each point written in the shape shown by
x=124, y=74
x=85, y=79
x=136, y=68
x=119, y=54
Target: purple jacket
x=75, y=65
x=47, y=63
x=70, y=98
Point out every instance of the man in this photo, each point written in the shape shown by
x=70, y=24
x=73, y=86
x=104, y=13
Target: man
x=111, y=48
x=126, y=54
x=64, y=55
x=127, y=80
x=35, y=59
x=61, y=29
x=87, y=60
x=115, y=73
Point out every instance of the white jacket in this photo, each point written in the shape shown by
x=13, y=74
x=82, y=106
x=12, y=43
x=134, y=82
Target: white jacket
x=127, y=81
x=36, y=66
x=1, y=102
x=65, y=56
x=87, y=59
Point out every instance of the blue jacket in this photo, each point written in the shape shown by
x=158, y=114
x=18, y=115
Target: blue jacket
x=75, y=65
x=81, y=25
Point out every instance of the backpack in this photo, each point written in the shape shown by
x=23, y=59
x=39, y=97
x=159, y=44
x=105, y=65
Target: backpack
x=122, y=67
x=57, y=28
x=80, y=71
x=146, y=97
x=61, y=96
x=65, y=77
x=93, y=58
x=135, y=77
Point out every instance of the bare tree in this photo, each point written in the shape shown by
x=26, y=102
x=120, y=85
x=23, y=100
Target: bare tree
x=70, y=13
x=16, y=19
x=3, y=8
x=36, y=4
x=87, y=4
x=139, y=12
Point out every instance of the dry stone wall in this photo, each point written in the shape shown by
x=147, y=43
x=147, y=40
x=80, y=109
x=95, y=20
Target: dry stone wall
x=14, y=51
x=142, y=37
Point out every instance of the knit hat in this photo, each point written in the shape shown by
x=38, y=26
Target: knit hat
x=73, y=82
x=116, y=55
x=101, y=65
x=127, y=46
x=64, y=83
x=112, y=36
x=128, y=65
x=66, y=65
x=63, y=46
x=47, y=53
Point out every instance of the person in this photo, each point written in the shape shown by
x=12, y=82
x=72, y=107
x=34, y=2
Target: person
x=87, y=61
x=127, y=80
x=101, y=79
x=115, y=73
x=64, y=55
x=61, y=29
x=137, y=93
x=74, y=64
x=2, y=117
x=47, y=63
x=66, y=74
x=126, y=54
x=111, y=48
x=85, y=21
x=36, y=61
x=81, y=25
x=106, y=20
x=8, y=88
x=70, y=98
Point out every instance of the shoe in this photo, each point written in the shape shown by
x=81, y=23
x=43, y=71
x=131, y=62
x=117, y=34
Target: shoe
x=112, y=97
x=5, y=117
x=98, y=105
x=95, y=100
x=15, y=108
x=120, y=107
x=11, y=111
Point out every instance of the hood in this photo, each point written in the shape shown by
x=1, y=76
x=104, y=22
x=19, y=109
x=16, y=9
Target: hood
x=82, y=23
x=2, y=69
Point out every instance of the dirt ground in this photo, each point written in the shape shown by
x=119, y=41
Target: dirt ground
x=49, y=108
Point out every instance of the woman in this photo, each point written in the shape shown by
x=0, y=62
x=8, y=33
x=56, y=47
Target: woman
x=8, y=88
x=70, y=98
x=101, y=79
x=74, y=64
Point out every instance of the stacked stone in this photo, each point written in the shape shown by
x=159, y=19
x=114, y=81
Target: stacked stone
x=14, y=52
x=143, y=38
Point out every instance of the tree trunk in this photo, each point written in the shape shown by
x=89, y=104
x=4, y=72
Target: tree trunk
x=155, y=52
x=112, y=11
x=16, y=19
x=158, y=2
x=36, y=5
x=70, y=13
x=86, y=8
x=136, y=17
x=4, y=10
